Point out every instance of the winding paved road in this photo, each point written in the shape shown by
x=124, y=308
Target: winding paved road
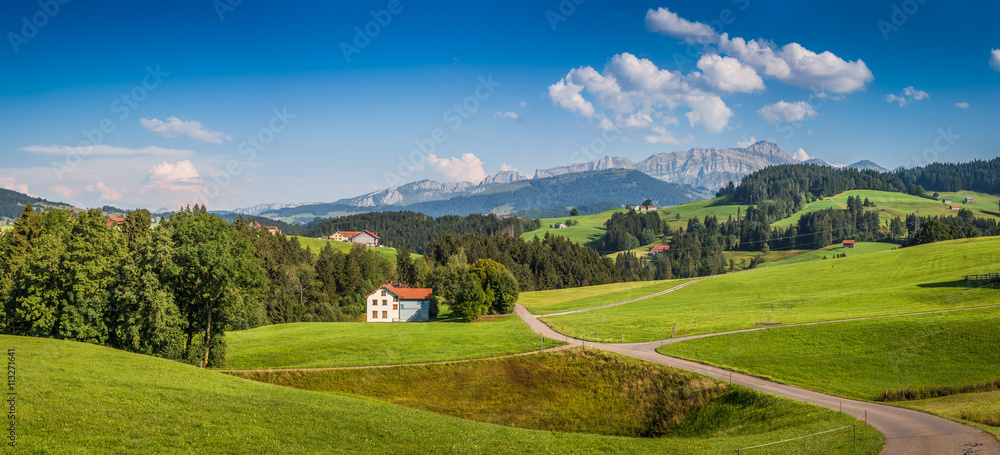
x=906, y=432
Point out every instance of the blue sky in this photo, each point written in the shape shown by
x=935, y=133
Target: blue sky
x=159, y=104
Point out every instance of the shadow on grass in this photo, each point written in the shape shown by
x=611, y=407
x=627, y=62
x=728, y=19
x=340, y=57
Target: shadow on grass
x=968, y=284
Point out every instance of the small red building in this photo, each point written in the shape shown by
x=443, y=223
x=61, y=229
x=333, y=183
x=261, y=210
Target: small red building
x=658, y=249
x=848, y=243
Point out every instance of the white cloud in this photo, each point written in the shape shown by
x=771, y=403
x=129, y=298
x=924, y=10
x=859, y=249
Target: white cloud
x=175, y=127
x=801, y=155
x=744, y=142
x=107, y=193
x=634, y=93
x=179, y=176
x=63, y=191
x=792, y=63
x=104, y=150
x=995, y=59
x=523, y=104
x=510, y=115
x=787, y=112
x=962, y=105
x=729, y=74
x=908, y=96
x=507, y=167
x=666, y=22
x=9, y=183
x=468, y=168
x=662, y=136
x=567, y=96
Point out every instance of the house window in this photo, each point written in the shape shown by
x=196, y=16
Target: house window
x=395, y=306
x=383, y=293
x=394, y=299
x=374, y=314
x=374, y=302
x=385, y=314
x=384, y=302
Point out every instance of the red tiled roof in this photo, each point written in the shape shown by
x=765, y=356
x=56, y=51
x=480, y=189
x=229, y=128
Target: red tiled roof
x=408, y=293
x=372, y=234
x=349, y=234
x=658, y=248
x=848, y=241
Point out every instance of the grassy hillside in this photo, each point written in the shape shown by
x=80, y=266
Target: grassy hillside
x=577, y=391
x=829, y=252
x=590, y=231
x=890, y=205
x=968, y=408
x=316, y=245
x=337, y=344
x=926, y=277
x=558, y=300
x=863, y=359
x=77, y=398
x=721, y=207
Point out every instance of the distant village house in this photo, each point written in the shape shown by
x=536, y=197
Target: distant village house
x=848, y=243
x=645, y=208
x=956, y=207
x=274, y=230
x=947, y=201
x=560, y=226
x=115, y=221
x=399, y=303
x=658, y=249
x=968, y=200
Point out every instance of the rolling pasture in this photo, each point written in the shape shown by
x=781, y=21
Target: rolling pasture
x=891, y=205
x=922, y=278
x=589, y=232
x=865, y=358
x=340, y=344
x=316, y=245
x=596, y=392
x=981, y=410
x=559, y=300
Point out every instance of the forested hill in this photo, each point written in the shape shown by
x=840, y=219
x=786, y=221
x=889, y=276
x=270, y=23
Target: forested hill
x=978, y=175
x=12, y=203
x=567, y=190
x=417, y=231
x=789, y=180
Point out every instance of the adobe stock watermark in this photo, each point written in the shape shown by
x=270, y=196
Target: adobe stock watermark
x=363, y=35
x=693, y=51
x=123, y=105
x=11, y=397
x=565, y=9
x=453, y=116
x=899, y=15
x=223, y=7
x=248, y=149
x=31, y=27
x=943, y=142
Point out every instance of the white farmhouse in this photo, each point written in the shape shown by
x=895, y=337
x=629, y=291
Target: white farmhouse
x=399, y=303
x=366, y=238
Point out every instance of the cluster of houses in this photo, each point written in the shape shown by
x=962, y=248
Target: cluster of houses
x=968, y=200
x=366, y=238
x=397, y=302
x=645, y=208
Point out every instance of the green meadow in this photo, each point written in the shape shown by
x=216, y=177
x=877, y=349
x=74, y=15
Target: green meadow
x=574, y=391
x=921, y=278
x=316, y=245
x=968, y=408
x=890, y=205
x=863, y=359
x=830, y=251
x=77, y=398
x=559, y=300
x=589, y=231
x=340, y=344
x=720, y=207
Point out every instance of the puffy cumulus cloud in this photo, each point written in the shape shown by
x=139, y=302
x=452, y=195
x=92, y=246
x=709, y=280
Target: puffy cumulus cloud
x=908, y=96
x=666, y=22
x=962, y=105
x=995, y=59
x=801, y=155
x=729, y=74
x=107, y=193
x=634, y=93
x=510, y=115
x=179, y=176
x=9, y=183
x=787, y=112
x=467, y=168
x=792, y=63
x=745, y=142
x=175, y=127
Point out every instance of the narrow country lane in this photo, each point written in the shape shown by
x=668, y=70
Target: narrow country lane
x=906, y=432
